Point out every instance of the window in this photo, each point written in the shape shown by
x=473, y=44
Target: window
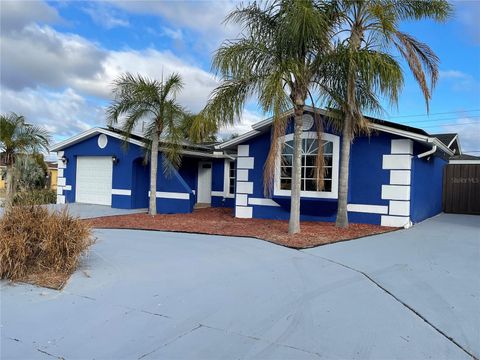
x=283, y=183
x=231, y=177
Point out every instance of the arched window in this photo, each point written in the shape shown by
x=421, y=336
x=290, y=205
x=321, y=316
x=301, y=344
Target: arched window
x=283, y=183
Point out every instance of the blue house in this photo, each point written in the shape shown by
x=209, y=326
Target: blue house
x=395, y=173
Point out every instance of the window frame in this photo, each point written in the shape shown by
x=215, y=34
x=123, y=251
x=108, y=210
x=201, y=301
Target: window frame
x=333, y=194
x=227, y=178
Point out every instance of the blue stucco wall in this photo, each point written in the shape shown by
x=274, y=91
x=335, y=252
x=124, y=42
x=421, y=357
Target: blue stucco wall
x=366, y=174
x=218, y=182
x=365, y=181
x=129, y=174
x=427, y=186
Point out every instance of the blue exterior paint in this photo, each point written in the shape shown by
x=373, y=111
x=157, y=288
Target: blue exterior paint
x=366, y=178
x=427, y=186
x=218, y=183
x=130, y=174
x=122, y=172
x=365, y=181
x=366, y=174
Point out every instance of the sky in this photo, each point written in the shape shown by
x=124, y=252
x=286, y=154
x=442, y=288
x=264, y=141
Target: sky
x=59, y=58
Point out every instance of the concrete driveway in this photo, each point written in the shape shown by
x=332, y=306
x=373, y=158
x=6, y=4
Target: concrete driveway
x=412, y=294
x=88, y=211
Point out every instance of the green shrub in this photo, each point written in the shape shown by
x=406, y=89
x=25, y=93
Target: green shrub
x=35, y=197
x=34, y=240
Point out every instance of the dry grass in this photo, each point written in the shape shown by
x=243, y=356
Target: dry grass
x=40, y=246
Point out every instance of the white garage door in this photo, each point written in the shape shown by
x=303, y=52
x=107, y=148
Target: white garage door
x=94, y=180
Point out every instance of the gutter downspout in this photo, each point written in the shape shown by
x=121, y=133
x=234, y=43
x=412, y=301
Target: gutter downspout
x=429, y=152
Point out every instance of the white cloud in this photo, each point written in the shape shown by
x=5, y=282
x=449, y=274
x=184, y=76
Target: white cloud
x=15, y=15
x=64, y=113
x=174, y=34
x=203, y=17
x=248, y=119
x=459, y=80
x=105, y=16
x=468, y=130
x=50, y=77
x=154, y=64
x=39, y=55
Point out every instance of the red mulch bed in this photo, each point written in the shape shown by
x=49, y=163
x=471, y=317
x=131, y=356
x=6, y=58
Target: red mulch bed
x=220, y=221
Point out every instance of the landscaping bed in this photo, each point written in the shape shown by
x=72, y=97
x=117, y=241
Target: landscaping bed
x=220, y=221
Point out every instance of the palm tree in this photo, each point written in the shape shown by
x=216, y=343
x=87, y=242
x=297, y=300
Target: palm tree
x=362, y=67
x=275, y=59
x=18, y=138
x=138, y=98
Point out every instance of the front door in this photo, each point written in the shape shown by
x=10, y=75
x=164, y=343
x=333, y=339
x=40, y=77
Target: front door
x=204, y=188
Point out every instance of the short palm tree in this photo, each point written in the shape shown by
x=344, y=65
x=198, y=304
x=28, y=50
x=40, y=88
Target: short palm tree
x=18, y=138
x=362, y=67
x=138, y=98
x=276, y=60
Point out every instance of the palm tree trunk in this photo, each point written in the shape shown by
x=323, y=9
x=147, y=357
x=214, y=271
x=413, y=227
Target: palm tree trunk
x=342, y=212
x=152, y=210
x=294, y=222
x=10, y=188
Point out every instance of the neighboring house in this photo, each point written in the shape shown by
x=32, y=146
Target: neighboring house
x=395, y=173
x=52, y=174
x=3, y=172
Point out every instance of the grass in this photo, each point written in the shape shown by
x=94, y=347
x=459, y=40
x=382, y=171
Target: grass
x=41, y=247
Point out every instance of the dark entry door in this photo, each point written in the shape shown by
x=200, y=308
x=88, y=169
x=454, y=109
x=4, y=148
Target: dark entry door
x=461, y=189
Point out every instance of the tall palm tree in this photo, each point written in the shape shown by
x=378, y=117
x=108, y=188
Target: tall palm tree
x=276, y=60
x=18, y=138
x=138, y=98
x=363, y=66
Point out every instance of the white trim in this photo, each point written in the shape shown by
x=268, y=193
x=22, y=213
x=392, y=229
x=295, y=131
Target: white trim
x=122, y=192
x=401, y=146
x=226, y=179
x=335, y=167
x=245, y=163
x=91, y=132
x=429, y=152
x=452, y=141
x=218, y=193
x=464, y=162
x=59, y=190
x=67, y=187
x=244, y=212
x=395, y=192
x=238, y=139
x=61, y=165
x=60, y=154
x=102, y=141
x=400, y=177
x=243, y=150
x=61, y=181
x=370, y=209
x=384, y=128
x=262, y=202
x=395, y=221
x=244, y=187
x=399, y=207
x=413, y=136
x=59, y=173
x=172, y=195
x=396, y=162
x=60, y=199
x=242, y=199
x=242, y=175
